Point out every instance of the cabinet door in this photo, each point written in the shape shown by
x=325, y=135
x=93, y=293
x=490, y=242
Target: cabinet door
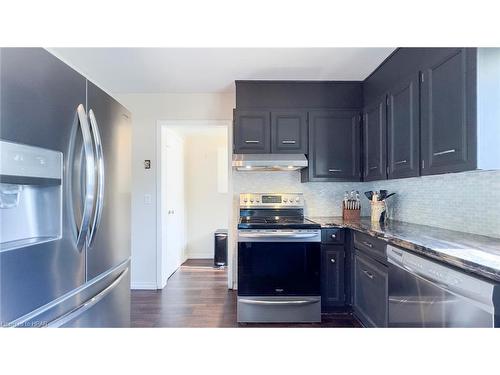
x=289, y=132
x=448, y=114
x=374, y=141
x=110, y=242
x=370, y=291
x=252, y=132
x=334, y=138
x=403, y=129
x=332, y=276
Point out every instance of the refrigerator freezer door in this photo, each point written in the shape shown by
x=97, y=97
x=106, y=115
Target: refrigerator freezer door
x=103, y=302
x=39, y=100
x=108, y=308
x=110, y=241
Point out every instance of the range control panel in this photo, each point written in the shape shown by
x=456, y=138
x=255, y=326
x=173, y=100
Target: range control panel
x=271, y=200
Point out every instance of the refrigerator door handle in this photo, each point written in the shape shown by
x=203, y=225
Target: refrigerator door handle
x=99, y=156
x=88, y=201
x=58, y=322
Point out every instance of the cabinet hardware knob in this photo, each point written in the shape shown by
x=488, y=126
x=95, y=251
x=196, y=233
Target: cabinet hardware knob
x=288, y=142
x=334, y=236
x=400, y=162
x=252, y=141
x=335, y=170
x=367, y=244
x=332, y=260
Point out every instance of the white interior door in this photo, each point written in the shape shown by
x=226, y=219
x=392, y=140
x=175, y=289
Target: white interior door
x=173, y=221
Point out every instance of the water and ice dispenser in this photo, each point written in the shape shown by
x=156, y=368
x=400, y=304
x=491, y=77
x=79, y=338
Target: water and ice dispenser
x=30, y=195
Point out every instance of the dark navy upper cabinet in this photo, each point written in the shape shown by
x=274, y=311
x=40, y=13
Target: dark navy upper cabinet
x=252, y=132
x=334, y=144
x=289, y=132
x=403, y=135
x=374, y=141
x=448, y=113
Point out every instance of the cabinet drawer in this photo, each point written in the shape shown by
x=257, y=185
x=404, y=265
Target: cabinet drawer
x=333, y=235
x=371, y=245
x=370, y=291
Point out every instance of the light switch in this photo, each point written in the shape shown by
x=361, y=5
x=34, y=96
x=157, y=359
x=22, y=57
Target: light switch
x=147, y=198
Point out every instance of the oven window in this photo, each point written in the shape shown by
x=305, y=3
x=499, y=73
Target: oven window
x=278, y=268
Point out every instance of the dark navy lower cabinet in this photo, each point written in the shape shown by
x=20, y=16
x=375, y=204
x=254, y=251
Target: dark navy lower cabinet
x=332, y=276
x=370, y=291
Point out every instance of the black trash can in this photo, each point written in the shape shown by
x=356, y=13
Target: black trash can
x=220, y=248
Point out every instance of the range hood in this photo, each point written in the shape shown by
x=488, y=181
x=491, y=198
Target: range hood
x=269, y=162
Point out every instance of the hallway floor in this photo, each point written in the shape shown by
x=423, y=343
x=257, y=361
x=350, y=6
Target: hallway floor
x=196, y=295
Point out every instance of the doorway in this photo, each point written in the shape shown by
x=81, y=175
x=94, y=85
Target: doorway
x=194, y=192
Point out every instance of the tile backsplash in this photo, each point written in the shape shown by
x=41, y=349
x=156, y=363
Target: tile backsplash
x=467, y=202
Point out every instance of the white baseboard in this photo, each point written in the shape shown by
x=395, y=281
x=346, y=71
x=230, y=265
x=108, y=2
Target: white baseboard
x=143, y=285
x=200, y=256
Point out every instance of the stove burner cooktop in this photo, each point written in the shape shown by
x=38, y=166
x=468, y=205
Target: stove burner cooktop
x=272, y=222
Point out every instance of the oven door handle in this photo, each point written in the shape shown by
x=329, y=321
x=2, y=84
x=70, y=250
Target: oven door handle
x=281, y=303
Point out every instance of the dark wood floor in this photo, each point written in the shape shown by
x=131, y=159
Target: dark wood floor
x=197, y=296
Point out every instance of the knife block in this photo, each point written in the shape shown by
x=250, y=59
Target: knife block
x=350, y=214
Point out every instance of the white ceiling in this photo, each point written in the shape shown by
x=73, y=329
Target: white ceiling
x=204, y=70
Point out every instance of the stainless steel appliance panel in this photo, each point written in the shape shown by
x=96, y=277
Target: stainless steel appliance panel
x=279, y=309
x=101, y=302
x=109, y=240
x=110, y=308
x=39, y=100
x=424, y=293
x=279, y=262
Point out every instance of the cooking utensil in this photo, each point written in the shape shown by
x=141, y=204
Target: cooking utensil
x=383, y=194
x=369, y=195
x=390, y=195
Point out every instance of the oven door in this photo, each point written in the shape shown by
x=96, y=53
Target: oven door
x=279, y=263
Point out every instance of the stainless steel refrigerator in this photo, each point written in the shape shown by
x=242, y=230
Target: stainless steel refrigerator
x=65, y=149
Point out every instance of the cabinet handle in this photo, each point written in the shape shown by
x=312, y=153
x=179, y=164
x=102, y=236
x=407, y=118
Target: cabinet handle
x=252, y=141
x=400, y=162
x=288, y=142
x=367, y=244
x=444, y=152
x=368, y=274
x=374, y=167
x=332, y=260
x=334, y=236
x=335, y=170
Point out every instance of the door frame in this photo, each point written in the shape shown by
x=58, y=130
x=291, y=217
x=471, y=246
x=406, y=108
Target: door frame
x=231, y=233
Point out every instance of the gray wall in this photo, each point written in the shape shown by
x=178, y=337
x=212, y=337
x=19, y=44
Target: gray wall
x=467, y=202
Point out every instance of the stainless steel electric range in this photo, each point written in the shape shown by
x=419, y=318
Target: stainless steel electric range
x=278, y=260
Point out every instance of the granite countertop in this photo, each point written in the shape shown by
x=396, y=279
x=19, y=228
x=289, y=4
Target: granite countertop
x=470, y=252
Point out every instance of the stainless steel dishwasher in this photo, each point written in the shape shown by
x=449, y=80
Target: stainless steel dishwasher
x=424, y=293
